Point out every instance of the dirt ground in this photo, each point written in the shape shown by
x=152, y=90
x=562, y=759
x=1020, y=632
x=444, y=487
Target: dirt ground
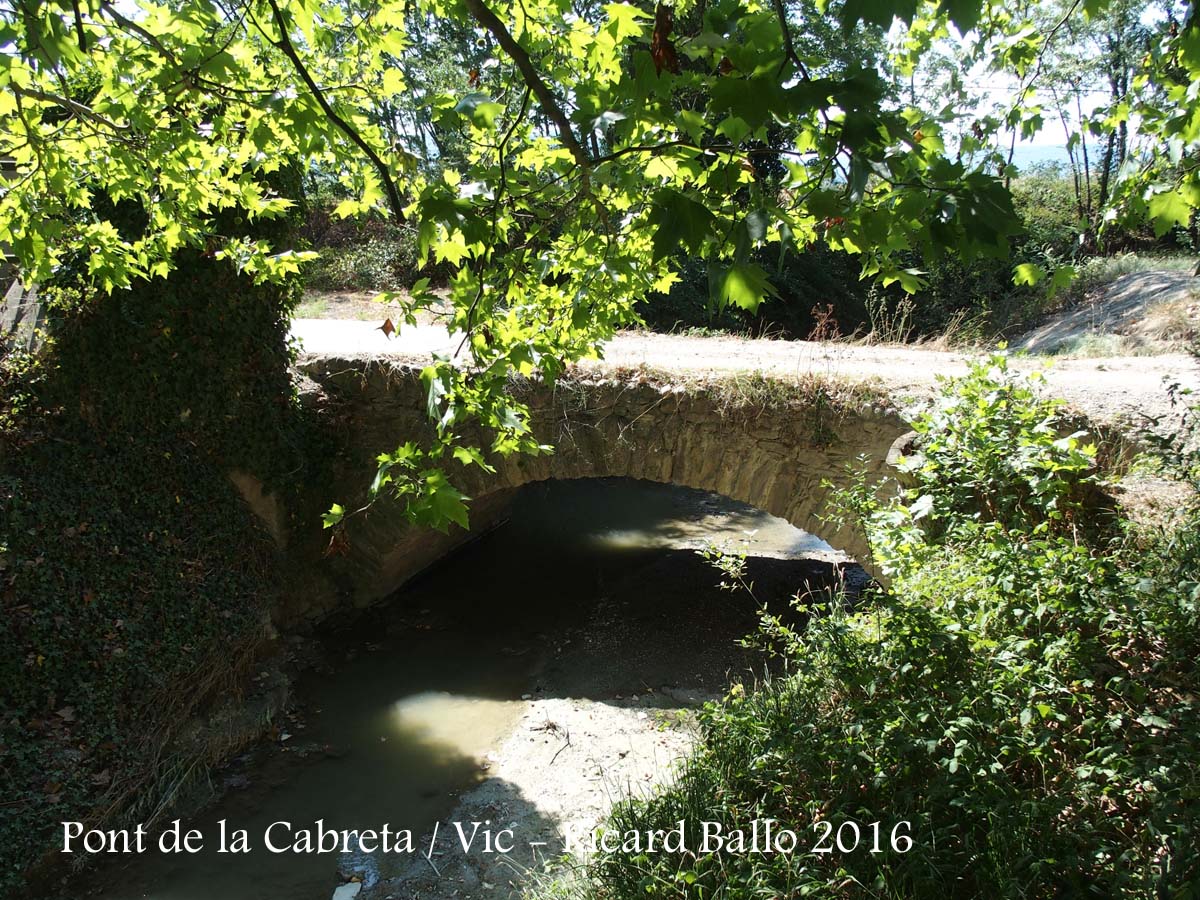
x=355, y=306
x=571, y=758
x=1141, y=312
x=1151, y=313
x=1119, y=390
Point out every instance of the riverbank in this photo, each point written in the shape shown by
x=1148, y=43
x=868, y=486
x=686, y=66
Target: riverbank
x=533, y=705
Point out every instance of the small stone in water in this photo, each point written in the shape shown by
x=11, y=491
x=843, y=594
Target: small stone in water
x=346, y=891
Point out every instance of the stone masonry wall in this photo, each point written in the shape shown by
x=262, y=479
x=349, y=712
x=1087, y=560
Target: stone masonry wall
x=767, y=443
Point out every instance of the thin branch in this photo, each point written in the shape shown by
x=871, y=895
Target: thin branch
x=34, y=142
x=1087, y=167
x=1041, y=58
x=655, y=149
x=501, y=151
x=546, y=99
x=285, y=45
x=135, y=28
x=190, y=76
x=72, y=106
x=79, y=26
x=789, y=48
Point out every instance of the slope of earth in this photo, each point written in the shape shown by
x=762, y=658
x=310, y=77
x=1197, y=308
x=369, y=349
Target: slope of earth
x=1147, y=312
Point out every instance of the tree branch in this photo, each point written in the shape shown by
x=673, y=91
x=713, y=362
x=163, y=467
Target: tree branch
x=72, y=106
x=1041, y=59
x=141, y=32
x=789, y=48
x=79, y=26
x=546, y=99
x=385, y=175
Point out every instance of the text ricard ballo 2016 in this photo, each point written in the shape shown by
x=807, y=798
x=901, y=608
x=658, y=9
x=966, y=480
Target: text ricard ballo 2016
x=759, y=836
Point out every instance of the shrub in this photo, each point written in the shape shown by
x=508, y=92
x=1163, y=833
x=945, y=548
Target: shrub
x=992, y=451
x=814, y=285
x=966, y=302
x=979, y=294
x=379, y=264
x=1045, y=200
x=361, y=254
x=973, y=301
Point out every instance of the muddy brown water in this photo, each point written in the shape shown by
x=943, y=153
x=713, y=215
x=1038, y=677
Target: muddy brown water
x=592, y=589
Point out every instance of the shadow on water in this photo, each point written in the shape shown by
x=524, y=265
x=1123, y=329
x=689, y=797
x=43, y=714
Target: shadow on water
x=592, y=590
x=385, y=735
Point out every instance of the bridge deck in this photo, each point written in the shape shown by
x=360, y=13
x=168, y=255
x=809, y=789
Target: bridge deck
x=1119, y=390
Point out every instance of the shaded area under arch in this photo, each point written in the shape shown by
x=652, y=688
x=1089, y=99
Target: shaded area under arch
x=774, y=445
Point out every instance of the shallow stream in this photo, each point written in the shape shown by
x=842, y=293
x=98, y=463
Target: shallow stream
x=592, y=591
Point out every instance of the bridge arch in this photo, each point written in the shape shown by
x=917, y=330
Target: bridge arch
x=770, y=443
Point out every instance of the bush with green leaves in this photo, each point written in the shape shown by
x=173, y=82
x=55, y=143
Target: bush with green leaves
x=1045, y=200
x=1024, y=698
x=980, y=298
x=361, y=255
x=992, y=449
x=377, y=265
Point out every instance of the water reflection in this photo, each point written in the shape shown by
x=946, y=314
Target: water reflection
x=623, y=514
x=593, y=588
x=456, y=723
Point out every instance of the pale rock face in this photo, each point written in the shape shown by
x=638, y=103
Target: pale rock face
x=347, y=891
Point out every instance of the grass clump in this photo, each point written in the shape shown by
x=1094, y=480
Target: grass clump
x=1022, y=695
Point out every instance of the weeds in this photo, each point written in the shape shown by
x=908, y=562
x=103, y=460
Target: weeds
x=891, y=322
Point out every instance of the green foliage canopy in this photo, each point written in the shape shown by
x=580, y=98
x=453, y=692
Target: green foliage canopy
x=592, y=146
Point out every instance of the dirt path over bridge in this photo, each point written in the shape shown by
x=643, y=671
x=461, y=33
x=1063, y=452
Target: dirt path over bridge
x=1118, y=390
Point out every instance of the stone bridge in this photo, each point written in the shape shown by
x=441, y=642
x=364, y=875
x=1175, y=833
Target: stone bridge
x=772, y=443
